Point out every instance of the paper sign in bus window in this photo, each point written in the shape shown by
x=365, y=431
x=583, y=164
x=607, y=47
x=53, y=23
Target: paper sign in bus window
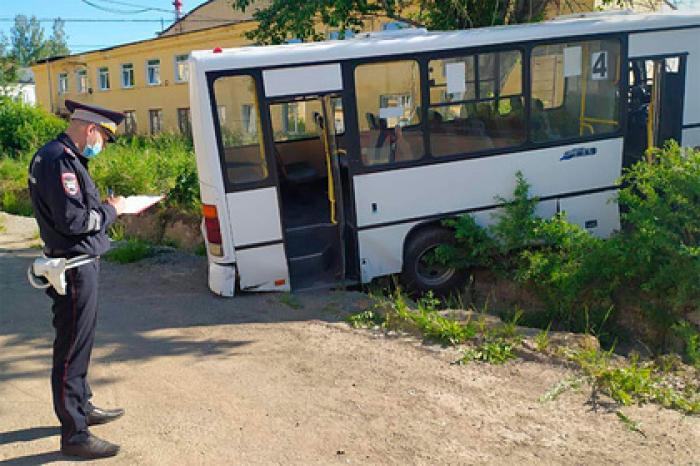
x=572, y=62
x=456, y=74
x=391, y=112
x=599, y=65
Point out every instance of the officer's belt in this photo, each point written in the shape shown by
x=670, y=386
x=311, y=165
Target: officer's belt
x=54, y=253
x=47, y=272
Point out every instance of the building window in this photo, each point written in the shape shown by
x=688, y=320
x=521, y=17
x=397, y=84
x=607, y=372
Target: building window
x=335, y=35
x=388, y=112
x=104, y=78
x=63, y=83
x=295, y=120
x=184, y=121
x=127, y=75
x=153, y=72
x=155, y=118
x=130, y=122
x=243, y=155
x=575, y=90
x=248, y=119
x=81, y=81
x=182, y=68
x=476, y=103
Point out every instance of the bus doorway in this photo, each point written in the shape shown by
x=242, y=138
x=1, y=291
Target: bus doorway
x=306, y=152
x=655, y=104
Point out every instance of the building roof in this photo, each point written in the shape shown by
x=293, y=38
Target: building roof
x=209, y=12
x=142, y=41
x=413, y=41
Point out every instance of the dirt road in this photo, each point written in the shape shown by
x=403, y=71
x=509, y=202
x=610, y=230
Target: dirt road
x=206, y=380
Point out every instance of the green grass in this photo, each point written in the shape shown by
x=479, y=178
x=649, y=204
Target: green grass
x=291, y=301
x=628, y=382
x=542, y=339
x=133, y=250
x=369, y=318
x=201, y=250
x=496, y=351
x=3, y=229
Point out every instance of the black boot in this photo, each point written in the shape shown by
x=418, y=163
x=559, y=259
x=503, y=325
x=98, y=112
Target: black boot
x=92, y=448
x=103, y=416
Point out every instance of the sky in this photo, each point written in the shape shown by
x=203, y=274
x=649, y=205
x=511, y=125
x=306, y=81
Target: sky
x=91, y=34
x=83, y=36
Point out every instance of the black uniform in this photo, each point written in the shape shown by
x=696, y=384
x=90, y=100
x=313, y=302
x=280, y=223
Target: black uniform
x=72, y=221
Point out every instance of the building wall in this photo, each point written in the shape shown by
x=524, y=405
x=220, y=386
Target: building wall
x=142, y=97
x=21, y=92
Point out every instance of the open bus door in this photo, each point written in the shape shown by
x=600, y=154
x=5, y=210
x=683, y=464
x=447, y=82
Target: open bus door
x=655, y=104
x=308, y=160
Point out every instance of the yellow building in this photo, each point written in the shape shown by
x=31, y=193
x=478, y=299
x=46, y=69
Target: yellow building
x=147, y=79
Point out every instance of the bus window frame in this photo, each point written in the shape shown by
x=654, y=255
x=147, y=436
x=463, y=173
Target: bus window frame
x=305, y=98
x=263, y=114
x=423, y=59
x=351, y=135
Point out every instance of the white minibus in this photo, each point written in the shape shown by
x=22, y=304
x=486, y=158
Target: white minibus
x=330, y=163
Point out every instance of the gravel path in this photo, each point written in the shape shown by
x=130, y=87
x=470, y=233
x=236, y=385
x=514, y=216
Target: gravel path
x=206, y=380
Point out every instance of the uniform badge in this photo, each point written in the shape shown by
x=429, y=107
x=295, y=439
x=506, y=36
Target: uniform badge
x=70, y=183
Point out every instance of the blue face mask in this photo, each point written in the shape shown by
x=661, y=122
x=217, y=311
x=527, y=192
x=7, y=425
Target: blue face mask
x=91, y=151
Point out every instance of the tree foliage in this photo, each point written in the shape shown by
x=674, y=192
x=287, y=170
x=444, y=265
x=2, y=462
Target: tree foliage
x=281, y=20
x=28, y=44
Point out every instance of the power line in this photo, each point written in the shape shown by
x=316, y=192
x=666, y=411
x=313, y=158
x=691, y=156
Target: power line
x=115, y=20
x=113, y=10
x=133, y=5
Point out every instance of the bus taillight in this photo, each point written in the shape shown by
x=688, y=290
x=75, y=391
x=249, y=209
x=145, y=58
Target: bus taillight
x=213, y=229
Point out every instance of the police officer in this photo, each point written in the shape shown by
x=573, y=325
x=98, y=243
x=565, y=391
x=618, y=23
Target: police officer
x=73, y=221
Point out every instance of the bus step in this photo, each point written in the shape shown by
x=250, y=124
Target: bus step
x=310, y=264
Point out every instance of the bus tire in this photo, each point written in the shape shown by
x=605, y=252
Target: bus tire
x=418, y=276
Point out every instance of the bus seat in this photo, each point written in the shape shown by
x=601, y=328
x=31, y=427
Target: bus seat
x=296, y=173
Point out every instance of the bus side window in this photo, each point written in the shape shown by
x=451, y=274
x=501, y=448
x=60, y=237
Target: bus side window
x=575, y=90
x=239, y=122
x=476, y=103
x=388, y=105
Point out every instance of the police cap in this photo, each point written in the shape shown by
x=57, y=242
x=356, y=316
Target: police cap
x=108, y=120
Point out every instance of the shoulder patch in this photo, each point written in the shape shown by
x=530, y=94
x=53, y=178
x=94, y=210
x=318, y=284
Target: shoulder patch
x=70, y=183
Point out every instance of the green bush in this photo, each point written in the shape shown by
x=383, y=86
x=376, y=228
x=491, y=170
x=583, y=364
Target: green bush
x=653, y=264
x=25, y=128
x=149, y=165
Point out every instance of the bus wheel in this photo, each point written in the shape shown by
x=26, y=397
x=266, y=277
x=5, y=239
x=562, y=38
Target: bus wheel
x=420, y=274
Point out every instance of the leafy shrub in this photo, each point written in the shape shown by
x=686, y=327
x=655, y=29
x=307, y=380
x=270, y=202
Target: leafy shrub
x=25, y=128
x=149, y=165
x=14, y=203
x=653, y=264
x=691, y=341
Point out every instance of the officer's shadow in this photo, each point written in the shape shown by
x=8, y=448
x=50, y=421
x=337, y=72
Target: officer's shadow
x=29, y=435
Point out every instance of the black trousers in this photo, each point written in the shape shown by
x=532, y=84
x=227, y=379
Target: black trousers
x=74, y=318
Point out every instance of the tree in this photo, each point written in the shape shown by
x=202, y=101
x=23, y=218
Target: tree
x=8, y=68
x=57, y=45
x=281, y=20
x=27, y=40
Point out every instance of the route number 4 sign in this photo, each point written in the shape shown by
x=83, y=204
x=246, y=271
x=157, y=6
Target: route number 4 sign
x=599, y=65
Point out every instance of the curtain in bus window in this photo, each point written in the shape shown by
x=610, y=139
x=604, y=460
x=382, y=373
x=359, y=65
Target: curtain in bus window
x=476, y=103
x=388, y=111
x=575, y=90
x=238, y=116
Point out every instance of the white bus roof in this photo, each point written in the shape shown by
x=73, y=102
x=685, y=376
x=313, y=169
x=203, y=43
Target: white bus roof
x=419, y=40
